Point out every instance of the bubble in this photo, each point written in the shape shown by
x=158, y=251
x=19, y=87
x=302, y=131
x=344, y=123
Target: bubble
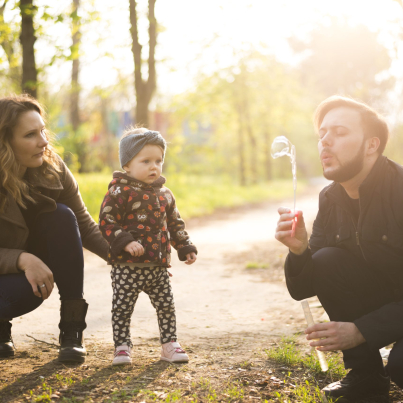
x=281, y=146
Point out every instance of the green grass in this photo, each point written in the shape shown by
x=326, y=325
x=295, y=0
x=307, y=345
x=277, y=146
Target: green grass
x=195, y=195
x=256, y=265
x=305, y=390
x=288, y=352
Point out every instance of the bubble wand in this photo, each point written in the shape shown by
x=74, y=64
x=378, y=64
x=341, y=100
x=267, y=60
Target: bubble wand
x=280, y=147
x=309, y=320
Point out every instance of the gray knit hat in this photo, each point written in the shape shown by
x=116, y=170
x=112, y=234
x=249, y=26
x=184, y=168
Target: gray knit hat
x=132, y=144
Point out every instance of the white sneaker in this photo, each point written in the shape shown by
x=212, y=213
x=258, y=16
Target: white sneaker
x=173, y=352
x=122, y=356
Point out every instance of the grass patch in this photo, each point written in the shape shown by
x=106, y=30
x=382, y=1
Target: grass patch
x=195, y=195
x=256, y=265
x=288, y=352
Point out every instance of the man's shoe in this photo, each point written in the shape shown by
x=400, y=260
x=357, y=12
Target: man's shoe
x=6, y=341
x=358, y=384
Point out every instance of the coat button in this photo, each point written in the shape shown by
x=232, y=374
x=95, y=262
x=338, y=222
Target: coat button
x=384, y=238
x=337, y=237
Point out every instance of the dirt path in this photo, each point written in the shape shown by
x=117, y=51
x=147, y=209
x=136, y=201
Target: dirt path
x=232, y=306
x=215, y=297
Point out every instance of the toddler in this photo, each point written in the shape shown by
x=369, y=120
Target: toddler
x=140, y=221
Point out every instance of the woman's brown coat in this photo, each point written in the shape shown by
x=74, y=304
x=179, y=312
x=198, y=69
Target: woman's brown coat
x=14, y=232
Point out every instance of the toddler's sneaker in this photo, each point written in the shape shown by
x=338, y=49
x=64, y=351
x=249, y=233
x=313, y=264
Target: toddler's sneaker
x=173, y=352
x=122, y=356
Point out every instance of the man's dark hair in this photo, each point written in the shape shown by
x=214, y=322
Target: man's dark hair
x=374, y=124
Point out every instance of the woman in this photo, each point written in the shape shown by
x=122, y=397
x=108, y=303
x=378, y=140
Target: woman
x=43, y=226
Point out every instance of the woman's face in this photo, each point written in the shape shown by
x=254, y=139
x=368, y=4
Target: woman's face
x=29, y=140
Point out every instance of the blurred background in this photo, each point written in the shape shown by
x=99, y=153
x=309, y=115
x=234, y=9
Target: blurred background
x=218, y=78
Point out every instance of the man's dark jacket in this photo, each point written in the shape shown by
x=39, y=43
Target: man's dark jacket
x=377, y=237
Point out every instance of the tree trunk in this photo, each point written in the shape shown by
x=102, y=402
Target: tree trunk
x=144, y=89
x=107, y=136
x=241, y=147
x=249, y=130
x=27, y=39
x=75, y=87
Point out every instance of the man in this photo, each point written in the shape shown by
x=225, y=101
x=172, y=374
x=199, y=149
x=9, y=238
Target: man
x=353, y=261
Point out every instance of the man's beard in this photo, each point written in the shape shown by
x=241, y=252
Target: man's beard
x=349, y=169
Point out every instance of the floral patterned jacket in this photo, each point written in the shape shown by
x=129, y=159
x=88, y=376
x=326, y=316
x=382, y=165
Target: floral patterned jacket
x=136, y=211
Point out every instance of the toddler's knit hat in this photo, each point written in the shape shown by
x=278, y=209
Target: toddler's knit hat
x=132, y=144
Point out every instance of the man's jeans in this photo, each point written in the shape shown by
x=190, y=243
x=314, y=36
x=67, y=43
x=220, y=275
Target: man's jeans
x=349, y=289
x=55, y=239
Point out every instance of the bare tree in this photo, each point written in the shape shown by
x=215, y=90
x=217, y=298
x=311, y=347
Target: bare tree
x=75, y=47
x=27, y=39
x=241, y=146
x=144, y=88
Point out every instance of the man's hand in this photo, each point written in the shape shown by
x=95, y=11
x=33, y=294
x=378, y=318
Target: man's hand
x=298, y=243
x=134, y=248
x=37, y=273
x=334, y=336
x=190, y=258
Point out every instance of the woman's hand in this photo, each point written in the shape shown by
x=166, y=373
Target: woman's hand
x=134, y=248
x=190, y=258
x=37, y=273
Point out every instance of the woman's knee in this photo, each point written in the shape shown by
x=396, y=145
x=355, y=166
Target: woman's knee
x=62, y=214
x=17, y=298
x=395, y=366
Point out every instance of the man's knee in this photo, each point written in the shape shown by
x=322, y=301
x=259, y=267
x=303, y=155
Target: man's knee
x=328, y=262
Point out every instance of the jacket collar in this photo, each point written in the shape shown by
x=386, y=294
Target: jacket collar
x=123, y=178
x=36, y=178
x=336, y=192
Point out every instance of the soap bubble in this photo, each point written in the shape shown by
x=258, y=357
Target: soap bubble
x=281, y=146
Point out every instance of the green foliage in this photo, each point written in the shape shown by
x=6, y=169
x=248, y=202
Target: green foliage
x=232, y=116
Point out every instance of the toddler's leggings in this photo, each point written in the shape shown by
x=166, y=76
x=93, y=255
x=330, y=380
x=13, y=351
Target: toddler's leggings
x=127, y=283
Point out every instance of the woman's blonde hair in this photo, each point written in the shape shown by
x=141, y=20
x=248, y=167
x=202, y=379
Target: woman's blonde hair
x=11, y=110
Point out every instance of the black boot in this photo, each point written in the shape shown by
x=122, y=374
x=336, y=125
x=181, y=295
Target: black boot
x=72, y=323
x=6, y=341
x=359, y=384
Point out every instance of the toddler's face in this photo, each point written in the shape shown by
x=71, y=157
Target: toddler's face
x=146, y=166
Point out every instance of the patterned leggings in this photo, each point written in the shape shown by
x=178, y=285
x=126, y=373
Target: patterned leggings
x=127, y=283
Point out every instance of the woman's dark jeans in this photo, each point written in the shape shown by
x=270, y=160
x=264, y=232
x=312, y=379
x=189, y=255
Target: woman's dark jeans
x=55, y=239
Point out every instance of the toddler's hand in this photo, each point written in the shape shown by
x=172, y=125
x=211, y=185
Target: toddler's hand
x=134, y=248
x=190, y=258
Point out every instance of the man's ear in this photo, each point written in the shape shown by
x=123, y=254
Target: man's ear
x=373, y=145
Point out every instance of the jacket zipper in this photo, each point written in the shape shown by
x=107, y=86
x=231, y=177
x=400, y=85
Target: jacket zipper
x=357, y=238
